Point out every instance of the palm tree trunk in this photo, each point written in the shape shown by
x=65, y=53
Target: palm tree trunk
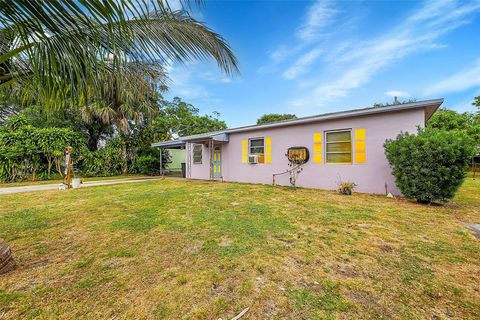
x=7, y=263
x=123, y=157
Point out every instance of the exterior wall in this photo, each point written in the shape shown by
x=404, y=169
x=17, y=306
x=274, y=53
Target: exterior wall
x=177, y=157
x=199, y=170
x=370, y=176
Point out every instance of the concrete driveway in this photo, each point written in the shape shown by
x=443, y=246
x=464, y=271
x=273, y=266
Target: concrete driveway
x=55, y=186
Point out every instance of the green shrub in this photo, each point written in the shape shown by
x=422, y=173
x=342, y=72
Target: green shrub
x=148, y=165
x=431, y=165
x=28, y=152
x=104, y=162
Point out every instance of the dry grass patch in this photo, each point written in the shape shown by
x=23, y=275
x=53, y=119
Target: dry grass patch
x=176, y=249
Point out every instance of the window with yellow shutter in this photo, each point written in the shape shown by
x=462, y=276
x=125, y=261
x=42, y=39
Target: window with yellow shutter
x=257, y=147
x=360, y=146
x=317, y=147
x=244, y=151
x=338, y=146
x=268, y=150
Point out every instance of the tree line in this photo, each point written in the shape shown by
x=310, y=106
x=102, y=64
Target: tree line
x=32, y=140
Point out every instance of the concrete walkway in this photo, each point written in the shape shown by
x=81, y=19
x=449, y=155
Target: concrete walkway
x=55, y=186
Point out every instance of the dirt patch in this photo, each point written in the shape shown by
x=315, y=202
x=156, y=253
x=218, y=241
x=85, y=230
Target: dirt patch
x=195, y=248
x=40, y=263
x=363, y=298
x=385, y=247
x=116, y=262
x=286, y=241
x=225, y=242
x=345, y=270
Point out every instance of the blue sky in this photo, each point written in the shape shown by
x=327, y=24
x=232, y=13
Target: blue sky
x=312, y=57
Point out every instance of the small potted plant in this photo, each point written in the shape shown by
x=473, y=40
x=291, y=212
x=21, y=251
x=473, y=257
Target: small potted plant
x=346, y=188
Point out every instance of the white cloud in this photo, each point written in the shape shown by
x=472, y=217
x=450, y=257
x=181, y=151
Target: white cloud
x=192, y=82
x=460, y=81
x=416, y=33
x=302, y=63
x=397, y=93
x=175, y=4
x=183, y=83
x=280, y=54
x=319, y=15
x=215, y=77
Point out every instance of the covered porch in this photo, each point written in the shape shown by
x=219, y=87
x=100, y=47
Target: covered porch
x=203, y=155
x=177, y=155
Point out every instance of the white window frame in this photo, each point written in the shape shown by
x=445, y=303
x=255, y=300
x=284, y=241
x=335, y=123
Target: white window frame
x=201, y=153
x=326, y=146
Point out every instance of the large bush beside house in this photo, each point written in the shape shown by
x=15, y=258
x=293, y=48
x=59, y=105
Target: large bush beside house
x=430, y=165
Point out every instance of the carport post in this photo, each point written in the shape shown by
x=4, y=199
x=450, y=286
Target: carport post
x=161, y=164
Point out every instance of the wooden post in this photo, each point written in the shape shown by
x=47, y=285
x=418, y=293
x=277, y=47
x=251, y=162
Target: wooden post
x=69, y=160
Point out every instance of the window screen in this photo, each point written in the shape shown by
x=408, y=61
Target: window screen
x=197, y=154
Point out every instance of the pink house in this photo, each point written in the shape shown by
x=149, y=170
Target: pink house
x=322, y=150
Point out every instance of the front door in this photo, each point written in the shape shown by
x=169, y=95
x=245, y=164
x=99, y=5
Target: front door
x=217, y=161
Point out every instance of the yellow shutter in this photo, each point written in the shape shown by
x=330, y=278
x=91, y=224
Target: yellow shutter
x=268, y=150
x=244, y=151
x=360, y=146
x=317, y=147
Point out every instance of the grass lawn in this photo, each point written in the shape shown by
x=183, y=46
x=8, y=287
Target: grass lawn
x=173, y=249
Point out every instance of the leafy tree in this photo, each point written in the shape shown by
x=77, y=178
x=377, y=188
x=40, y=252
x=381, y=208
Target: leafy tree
x=10, y=105
x=451, y=120
x=77, y=42
x=431, y=165
x=52, y=143
x=274, y=117
x=24, y=148
x=476, y=103
x=126, y=102
x=179, y=118
x=102, y=162
x=93, y=129
x=393, y=103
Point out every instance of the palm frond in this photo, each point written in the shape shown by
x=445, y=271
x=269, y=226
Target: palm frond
x=61, y=46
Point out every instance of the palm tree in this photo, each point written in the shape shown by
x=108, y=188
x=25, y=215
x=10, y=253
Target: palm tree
x=56, y=49
x=127, y=100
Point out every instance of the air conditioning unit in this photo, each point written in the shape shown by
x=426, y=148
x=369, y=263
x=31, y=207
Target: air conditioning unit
x=253, y=159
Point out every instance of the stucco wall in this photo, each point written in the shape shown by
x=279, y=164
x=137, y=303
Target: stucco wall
x=200, y=170
x=370, y=177
x=176, y=158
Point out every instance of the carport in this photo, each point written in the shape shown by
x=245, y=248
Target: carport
x=170, y=145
